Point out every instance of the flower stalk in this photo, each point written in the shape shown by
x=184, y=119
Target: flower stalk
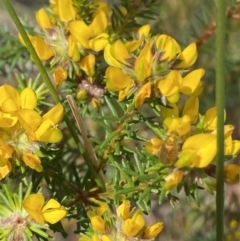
x=220, y=94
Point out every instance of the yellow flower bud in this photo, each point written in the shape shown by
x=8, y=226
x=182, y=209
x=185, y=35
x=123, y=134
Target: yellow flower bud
x=98, y=223
x=134, y=225
x=124, y=210
x=153, y=230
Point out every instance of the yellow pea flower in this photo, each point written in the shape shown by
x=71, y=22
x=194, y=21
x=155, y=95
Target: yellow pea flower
x=41, y=212
x=134, y=225
x=188, y=56
x=210, y=120
x=143, y=93
x=180, y=125
x=124, y=211
x=153, y=145
x=5, y=170
x=98, y=223
x=173, y=179
x=231, y=173
x=43, y=19
x=32, y=161
x=170, y=86
x=153, y=230
x=198, y=151
x=191, y=81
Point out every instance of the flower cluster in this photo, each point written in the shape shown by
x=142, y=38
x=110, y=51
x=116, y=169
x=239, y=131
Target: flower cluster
x=151, y=67
x=126, y=225
x=23, y=129
x=21, y=219
x=68, y=42
x=189, y=145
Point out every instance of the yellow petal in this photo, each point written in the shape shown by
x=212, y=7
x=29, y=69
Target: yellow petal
x=188, y=56
x=198, y=151
x=9, y=105
x=180, y=125
x=33, y=205
x=231, y=173
x=7, y=119
x=66, y=10
x=59, y=75
x=109, y=58
x=28, y=99
x=81, y=32
x=144, y=31
x=44, y=51
x=191, y=108
x=143, y=63
x=116, y=79
x=143, y=93
x=120, y=52
x=5, y=170
x=87, y=64
x=169, y=45
x=210, y=120
x=98, y=223
x=29, y=119
x=99, y=23
x=8, y=92
x=153, y=230
x=99, y=43
x=53, y=211
x=32, y=161
x=43, y=19
x=55, y=114
x=171, y=84
x=169, y=111
x=173, y=179
x=134, y=225
x=124, y=210
x=46, y=133
x=191, y=81
x=72, y=51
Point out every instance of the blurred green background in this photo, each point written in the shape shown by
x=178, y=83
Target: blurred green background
x=186, y=21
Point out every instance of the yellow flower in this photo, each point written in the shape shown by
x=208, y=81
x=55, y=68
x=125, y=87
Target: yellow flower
x=47, y=131
x=124, y=211
x=170, y=86
x=188, y=56
x=5, y=170
x=43, y=18
x=92, y=36
x=101, y=208
x=50, y=212
x=60, y=7
x=143, y=93
x=87, y=64
x=153, y=230
x=198, y=151
x=134, y=225
x=190, y=82
x=232, y=147
x=210, y=120
x=191, y=108
x=32, y=161
x=153, y=146
x=180, y=125
x=173, y=179
x=98, y=223
x=59, y=75
x=43, y=50
x=231, y=173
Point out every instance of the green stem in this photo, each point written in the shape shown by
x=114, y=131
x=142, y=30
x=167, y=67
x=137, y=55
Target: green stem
x=51, y=88
x=220, y=100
